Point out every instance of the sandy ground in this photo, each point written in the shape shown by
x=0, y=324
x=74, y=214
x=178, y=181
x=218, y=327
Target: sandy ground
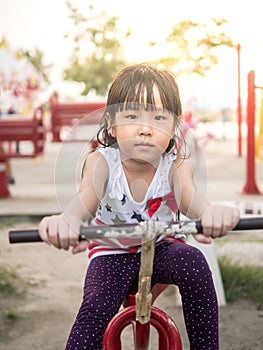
x=55, y=288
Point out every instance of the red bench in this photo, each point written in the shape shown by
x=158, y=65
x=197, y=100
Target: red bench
x=68, y=114
x=15, y=130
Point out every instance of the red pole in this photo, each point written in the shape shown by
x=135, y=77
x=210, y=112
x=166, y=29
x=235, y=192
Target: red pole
x=250, y=186
x=239, y=105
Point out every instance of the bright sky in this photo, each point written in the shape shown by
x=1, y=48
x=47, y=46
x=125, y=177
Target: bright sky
x=43, y=24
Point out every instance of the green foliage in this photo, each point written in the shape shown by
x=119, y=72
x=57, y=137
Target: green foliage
x=8, y=281
x=97, y=55
x=6, y=223
x=195, y=46
x=36, y=58
x=12, y=315
x=240, y=281
x=12, y=292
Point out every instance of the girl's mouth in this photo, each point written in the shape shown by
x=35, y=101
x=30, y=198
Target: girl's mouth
x=144, y=144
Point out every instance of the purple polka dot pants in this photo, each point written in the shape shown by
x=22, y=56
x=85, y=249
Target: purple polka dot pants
x=110, y=277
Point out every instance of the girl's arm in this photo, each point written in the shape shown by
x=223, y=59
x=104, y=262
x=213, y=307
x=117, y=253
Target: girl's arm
x=62, y=230
x=216, y=220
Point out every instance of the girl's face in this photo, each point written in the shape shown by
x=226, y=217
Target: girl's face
x=144, y=135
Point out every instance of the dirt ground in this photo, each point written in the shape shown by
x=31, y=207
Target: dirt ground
x=55, y=279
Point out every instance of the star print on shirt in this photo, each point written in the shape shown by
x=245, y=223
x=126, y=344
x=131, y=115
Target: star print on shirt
x=136, y=216
x=118, y=221
x=123, y=200
x=108, y=208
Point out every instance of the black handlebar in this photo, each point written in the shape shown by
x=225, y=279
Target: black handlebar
x=89, y=232
x=24, y=236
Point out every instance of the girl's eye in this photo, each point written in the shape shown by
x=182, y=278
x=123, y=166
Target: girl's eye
x=159, y=117
x=132, y=116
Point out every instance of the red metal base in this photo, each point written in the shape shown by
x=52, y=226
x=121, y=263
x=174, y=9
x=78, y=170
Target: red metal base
x=250, y=188
x=169, y=336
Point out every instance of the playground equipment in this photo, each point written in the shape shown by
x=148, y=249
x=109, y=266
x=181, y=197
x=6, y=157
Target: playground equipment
x=20, y=129
x=68, y=114
x=250, y=186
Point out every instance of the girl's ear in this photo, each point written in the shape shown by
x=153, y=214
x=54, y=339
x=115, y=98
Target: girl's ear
x=112, y=131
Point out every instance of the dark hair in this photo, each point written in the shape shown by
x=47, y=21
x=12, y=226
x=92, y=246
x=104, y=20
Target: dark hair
x=133, y=87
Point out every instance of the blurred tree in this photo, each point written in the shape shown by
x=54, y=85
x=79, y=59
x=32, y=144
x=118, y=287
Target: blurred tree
x=97, y=54
x=36, y=59
x=195, y=46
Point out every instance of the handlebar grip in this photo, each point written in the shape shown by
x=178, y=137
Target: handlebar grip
x=24, y=236
x=255, y=223
x=244, y=224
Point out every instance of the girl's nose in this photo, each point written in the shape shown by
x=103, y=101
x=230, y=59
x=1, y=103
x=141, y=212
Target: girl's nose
x=145, y=130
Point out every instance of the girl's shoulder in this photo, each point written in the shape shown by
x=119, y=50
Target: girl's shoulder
x=95, y=162
x=111, y=155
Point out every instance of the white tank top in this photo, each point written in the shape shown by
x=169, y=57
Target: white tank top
x=118, y=206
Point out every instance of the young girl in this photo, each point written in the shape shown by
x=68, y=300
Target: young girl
x=140, y=173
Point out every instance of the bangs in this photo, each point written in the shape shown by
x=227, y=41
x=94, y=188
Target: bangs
x=140, y=93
